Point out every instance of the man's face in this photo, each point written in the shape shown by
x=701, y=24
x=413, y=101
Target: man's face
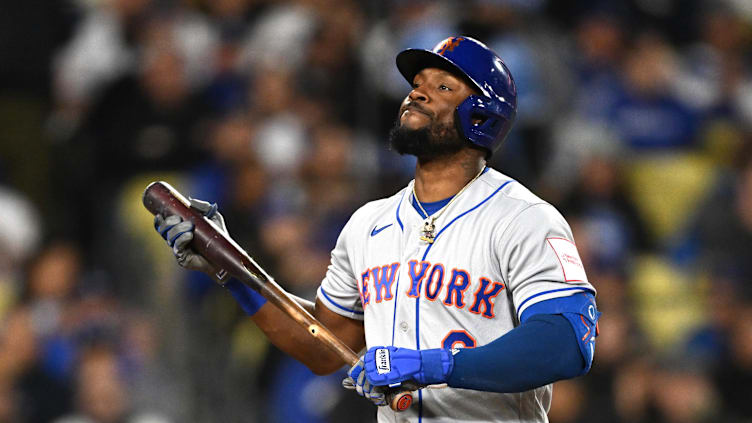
x=425, y=126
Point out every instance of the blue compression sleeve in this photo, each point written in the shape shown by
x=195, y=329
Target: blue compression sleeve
x=541, y=350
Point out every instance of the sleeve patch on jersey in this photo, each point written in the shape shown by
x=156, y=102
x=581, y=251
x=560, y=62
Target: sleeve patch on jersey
x=569, y=258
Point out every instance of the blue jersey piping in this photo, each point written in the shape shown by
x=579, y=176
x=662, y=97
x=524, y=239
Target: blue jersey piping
x=577, y=288
x=339, y=306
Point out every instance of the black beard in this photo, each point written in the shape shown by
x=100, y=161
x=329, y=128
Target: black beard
x=428, y=143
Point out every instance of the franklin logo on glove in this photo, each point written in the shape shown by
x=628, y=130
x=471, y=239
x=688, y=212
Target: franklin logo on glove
x=382, y=361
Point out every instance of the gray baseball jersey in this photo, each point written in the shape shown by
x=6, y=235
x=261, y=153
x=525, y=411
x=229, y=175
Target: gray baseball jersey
x=498, y=250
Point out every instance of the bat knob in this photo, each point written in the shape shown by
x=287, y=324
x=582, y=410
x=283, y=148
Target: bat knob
x=402, y=401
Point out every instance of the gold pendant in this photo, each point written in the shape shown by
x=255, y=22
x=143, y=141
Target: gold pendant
x=428, y=235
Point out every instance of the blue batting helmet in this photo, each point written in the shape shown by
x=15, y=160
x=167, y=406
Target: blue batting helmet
x=496, y=105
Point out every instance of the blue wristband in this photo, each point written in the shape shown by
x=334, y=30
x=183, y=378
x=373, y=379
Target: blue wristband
x=390, y=365
x=437, y=366
x=250, y=301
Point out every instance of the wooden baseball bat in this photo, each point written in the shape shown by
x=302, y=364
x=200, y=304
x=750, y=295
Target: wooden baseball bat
x=223, y=252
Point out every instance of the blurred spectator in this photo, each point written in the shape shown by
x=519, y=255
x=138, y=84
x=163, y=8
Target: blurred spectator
x=684, y=395
x=106, y=47
x=529, y=55
x=632, y=395
x=711, y=70
x=734, y=375
x=147, y=122
x=20, y=235
x=606, y=216
x=646, y=115
x=101, y=393
x=60, y=315
x=30, y=33
x=601, y=43
x=142, y=122
x=568, y=403
x=281, y=141
x=279, y=37
x=302, y=396
x=709, y=346
x=330, y=69
x=102, y=48
x=35, y=352
x=725, y=233
x=417, y=24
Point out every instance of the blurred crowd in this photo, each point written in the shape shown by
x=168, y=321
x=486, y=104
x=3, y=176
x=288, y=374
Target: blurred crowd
x=635, y=121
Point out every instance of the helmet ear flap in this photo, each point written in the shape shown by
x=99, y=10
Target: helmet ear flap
x=463, y=133
x=482, y=122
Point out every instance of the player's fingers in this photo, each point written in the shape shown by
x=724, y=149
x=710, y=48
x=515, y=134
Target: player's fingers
x=367, y=387
x=375, y=393
x=348, y=383
x=378, y=396
x=219, y=220
x=183, y=257
x=189, y=259
x=359, y=385
x=210, y=210
x=166, y=224
x=158, y=221
x=182, y=241
x=206, y=208
x=178, y=231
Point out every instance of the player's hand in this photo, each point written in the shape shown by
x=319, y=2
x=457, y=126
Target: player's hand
x=179, y=234
x=394, y=366
x=356, y=380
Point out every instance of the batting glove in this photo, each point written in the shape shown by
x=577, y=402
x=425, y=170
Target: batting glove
x=179, y=233
x=391, y=366
x=356, y=380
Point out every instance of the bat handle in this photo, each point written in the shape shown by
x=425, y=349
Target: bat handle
x=399, y=401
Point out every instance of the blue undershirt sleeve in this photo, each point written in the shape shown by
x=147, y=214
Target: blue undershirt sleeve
x=544, y=348
x=535, y=353
x=248, y=299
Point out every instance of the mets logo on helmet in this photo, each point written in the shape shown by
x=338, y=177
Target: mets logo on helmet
x=449, y=45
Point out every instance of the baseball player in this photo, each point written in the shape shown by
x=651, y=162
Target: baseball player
x=463, y=281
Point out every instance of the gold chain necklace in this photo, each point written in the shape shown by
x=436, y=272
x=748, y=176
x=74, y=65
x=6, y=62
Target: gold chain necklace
x=429, y=225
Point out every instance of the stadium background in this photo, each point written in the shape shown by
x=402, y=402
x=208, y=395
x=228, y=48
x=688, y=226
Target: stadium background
x=635, y=120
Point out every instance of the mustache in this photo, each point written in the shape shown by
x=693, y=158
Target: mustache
x=417, y=107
